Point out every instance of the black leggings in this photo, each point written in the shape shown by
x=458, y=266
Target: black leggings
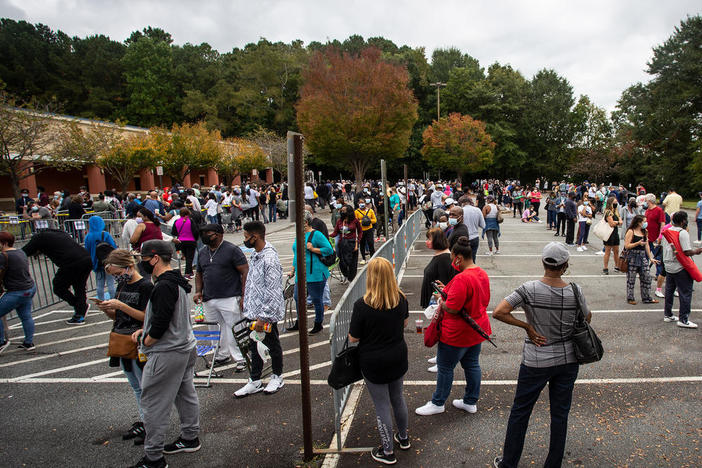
x=368, y=241
x=188, y=250
x=348, y=258
x=518, y=205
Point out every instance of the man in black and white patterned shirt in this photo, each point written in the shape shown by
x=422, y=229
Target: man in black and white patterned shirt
x=548, y=356
x=264, y=303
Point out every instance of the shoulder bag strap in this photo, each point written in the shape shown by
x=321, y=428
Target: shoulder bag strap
x=4, y=269
x=580, y=317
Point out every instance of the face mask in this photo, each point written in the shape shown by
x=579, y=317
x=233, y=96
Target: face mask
x=644, y=225
x=428, y=244
x=443, y=225
x=337, y=205
x=35, y=208
x=139, y=220
x=586, y=203
x=645, y=205
x=361, y=205
x=147, y=267
x=453, y=221
x=123, y=277
x=250, y=242
x=207, y=240
x=368, y=200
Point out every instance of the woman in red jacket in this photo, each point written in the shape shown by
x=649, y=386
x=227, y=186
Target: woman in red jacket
x=469, y=290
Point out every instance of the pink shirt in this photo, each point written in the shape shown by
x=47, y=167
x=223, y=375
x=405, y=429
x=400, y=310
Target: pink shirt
x=184, y=229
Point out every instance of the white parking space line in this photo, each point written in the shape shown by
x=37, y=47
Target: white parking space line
x=59, y=369
x=47, y=356
x=534, y=277
x=73, y=327
x=511, y=255
x=601, y=311
x=414, y=383
x=19, y=325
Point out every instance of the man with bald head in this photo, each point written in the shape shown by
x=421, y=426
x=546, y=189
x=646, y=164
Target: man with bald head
x=455, y=221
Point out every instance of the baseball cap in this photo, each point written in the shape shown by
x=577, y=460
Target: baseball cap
x=212, y=228
x=449, y=201
x=555, y=254
x=156, y=247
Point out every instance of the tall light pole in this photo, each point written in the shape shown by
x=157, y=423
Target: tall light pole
x=438, y=85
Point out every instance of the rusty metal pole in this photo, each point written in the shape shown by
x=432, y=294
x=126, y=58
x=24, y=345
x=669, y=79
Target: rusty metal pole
x=301, y=270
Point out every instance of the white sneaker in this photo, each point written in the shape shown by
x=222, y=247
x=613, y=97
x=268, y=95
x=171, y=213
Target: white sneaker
x=362, y=262
x=249, y=389
x=497, y=252
x=275, y=384
x=461, y=405
x=659, y=293
x=434, y=369
x=599, y=252
x=672, y=318
x=488, y=253
x=432, y=360
x=676, y=293
x=579, y=249
x=429, y=409
x=687, y=324
x=584, y=247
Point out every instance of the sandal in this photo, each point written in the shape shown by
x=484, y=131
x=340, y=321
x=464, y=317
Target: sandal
x=632, y=302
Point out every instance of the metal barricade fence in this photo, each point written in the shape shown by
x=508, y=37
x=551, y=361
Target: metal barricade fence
x=43, y=271
x=341, y=316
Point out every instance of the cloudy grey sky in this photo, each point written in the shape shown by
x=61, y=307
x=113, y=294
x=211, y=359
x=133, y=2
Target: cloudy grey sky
x=600, y=46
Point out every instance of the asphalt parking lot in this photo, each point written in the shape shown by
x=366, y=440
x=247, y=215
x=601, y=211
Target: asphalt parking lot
x=640, y=406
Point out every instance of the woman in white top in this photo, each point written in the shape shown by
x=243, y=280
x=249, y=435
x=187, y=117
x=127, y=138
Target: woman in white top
x=584, y=222
x=492, y=227
x=211, y=207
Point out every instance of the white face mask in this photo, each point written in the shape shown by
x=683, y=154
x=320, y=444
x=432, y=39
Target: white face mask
x=443, y=225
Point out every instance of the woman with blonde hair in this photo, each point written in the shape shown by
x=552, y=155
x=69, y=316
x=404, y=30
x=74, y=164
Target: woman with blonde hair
x=377, y=325
x=127, y=310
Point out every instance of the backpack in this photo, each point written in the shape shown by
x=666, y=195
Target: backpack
x=102, y=250
x=365, y=221
x=327, y=260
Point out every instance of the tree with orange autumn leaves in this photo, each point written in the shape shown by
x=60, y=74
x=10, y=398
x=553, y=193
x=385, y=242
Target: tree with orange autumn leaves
x=458, y=142
x=355, y=109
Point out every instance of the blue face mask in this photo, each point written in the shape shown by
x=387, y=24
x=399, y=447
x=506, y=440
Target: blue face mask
x=453, y=221
x=644, y=225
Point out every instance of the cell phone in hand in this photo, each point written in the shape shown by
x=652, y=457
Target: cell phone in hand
x=95, y=300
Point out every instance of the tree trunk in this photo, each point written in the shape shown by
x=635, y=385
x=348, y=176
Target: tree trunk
x=15, y=183
x=359, y=171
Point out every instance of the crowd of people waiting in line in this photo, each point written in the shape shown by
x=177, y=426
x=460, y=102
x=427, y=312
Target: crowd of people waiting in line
x=149, y=301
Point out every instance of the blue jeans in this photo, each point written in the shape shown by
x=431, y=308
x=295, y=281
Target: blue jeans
x=316, y=291
x=22, y=302
x=212, y=219
x=272, y=213
x=326, y=296
x=551, y=218
x=699, y=229
x=134, y=378
x=446, y=359
x=101, y=277
x=583, y=232
x=561, y=380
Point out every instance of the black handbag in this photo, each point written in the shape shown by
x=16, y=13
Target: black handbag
x=588, y=347
x=346, y=368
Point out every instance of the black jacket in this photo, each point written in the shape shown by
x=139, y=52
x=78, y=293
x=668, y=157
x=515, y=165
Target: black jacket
x=61, y=248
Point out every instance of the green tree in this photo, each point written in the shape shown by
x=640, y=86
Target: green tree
x=592, y=154
x=458, y=142
x=660, y=121
x=356, y=110
x=151, y=91
x=547, y=125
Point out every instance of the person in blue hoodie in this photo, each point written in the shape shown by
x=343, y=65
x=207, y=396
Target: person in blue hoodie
x=96, y=236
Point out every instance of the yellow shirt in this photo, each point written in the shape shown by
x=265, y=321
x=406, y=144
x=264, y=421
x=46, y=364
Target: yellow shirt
x=672, y=203
x=368, y=212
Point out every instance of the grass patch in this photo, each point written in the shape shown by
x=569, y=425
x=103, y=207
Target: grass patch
x=690, y=204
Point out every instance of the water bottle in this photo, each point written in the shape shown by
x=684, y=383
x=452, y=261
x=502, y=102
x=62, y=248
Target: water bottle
x=141, y=355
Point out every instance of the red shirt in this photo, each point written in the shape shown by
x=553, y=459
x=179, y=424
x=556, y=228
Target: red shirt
x=655, y=218
x=470, y=289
